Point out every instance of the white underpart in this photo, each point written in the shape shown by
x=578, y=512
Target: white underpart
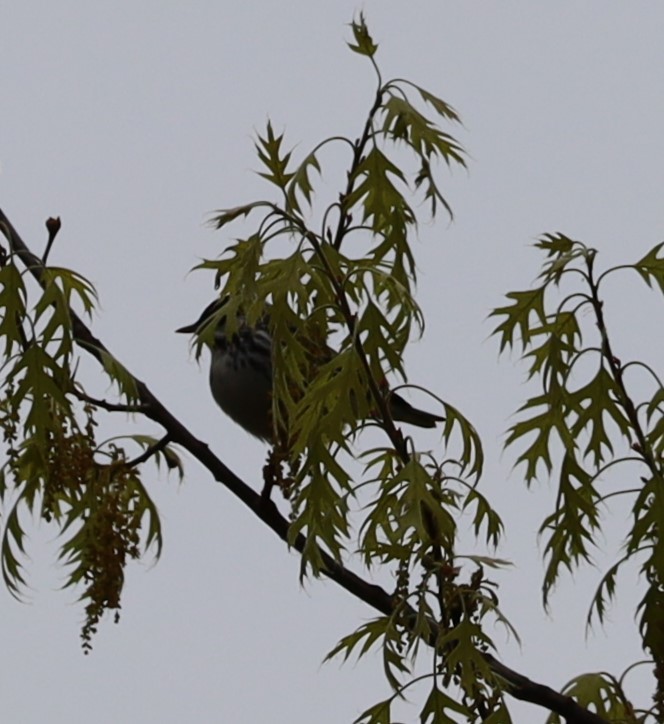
x=241, y=393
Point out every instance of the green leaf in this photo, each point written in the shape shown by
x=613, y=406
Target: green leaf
x=120, y=375
x=438, y=704
x=364, y=44
x=518, y=315
x=11, y=550
x=168, y=455
x=472, y=453
x=379, y=713
x=383, y=205
x=561, y=252
x=651, y=267
x=463, y=646
x=557, y=245
x=605, y=593
x=320, y=507
x=571, y=527
x=226, y=216
x=403, y=122
x=593, y=402
x=656, y=403
x=442, y=108
x=13, y=300
x=648, y=513
x=43, y=384
x=651, y=608
x=301, y=182
x=73, y=286
x=601, y=693
x=485, y=516
x=368, y=634
x=383, y=344
x=432, y=193
x=655, y=432
x=241, y=266
x=269, y=152
x=500, y=715
x=543, y=424
x=392, y=253
x=554, y=356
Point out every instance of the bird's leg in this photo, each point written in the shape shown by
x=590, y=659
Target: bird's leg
x=271, y=473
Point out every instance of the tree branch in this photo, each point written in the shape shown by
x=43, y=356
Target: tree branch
x=518, y=686
x=522, y=688
x=108, y=406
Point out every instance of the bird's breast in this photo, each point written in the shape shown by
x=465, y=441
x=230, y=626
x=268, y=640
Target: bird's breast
x=241, y=384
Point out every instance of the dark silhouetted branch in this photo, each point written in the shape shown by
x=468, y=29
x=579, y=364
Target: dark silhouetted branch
x=517, y=685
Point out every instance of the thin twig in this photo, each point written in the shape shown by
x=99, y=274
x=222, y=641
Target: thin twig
x=53, y=226
x=149, y=452
x=359, y=146
x=108, y=406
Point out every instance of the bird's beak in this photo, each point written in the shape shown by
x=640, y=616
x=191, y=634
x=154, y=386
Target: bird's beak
x=202, y=322
x=189, y=329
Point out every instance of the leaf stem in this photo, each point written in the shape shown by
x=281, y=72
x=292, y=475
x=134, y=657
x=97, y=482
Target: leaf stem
x=641, y=445
x=359, y=146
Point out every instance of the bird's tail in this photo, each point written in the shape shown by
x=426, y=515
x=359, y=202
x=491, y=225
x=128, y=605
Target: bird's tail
x=403, y=411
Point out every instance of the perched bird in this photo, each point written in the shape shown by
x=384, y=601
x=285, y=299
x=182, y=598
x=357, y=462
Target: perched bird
x=241, y=376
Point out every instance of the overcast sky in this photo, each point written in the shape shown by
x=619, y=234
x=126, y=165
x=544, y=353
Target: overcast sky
x=133, y=121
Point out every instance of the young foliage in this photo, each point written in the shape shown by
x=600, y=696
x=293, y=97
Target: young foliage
x=55, y=469
x=603, y=694
x=592, y=427
x=341, y=310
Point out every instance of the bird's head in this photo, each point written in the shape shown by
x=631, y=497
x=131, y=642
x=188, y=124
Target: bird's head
x=205, y=328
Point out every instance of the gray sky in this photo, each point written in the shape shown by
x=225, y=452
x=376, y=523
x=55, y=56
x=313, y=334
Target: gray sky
x=132, y=121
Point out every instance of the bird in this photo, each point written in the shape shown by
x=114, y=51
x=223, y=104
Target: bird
x=241, y=375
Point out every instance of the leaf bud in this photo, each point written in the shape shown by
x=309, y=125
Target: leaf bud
x=53, y=225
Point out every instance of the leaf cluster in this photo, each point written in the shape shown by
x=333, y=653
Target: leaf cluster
x=588, y=415
x=340, y=308
x=55, y=469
